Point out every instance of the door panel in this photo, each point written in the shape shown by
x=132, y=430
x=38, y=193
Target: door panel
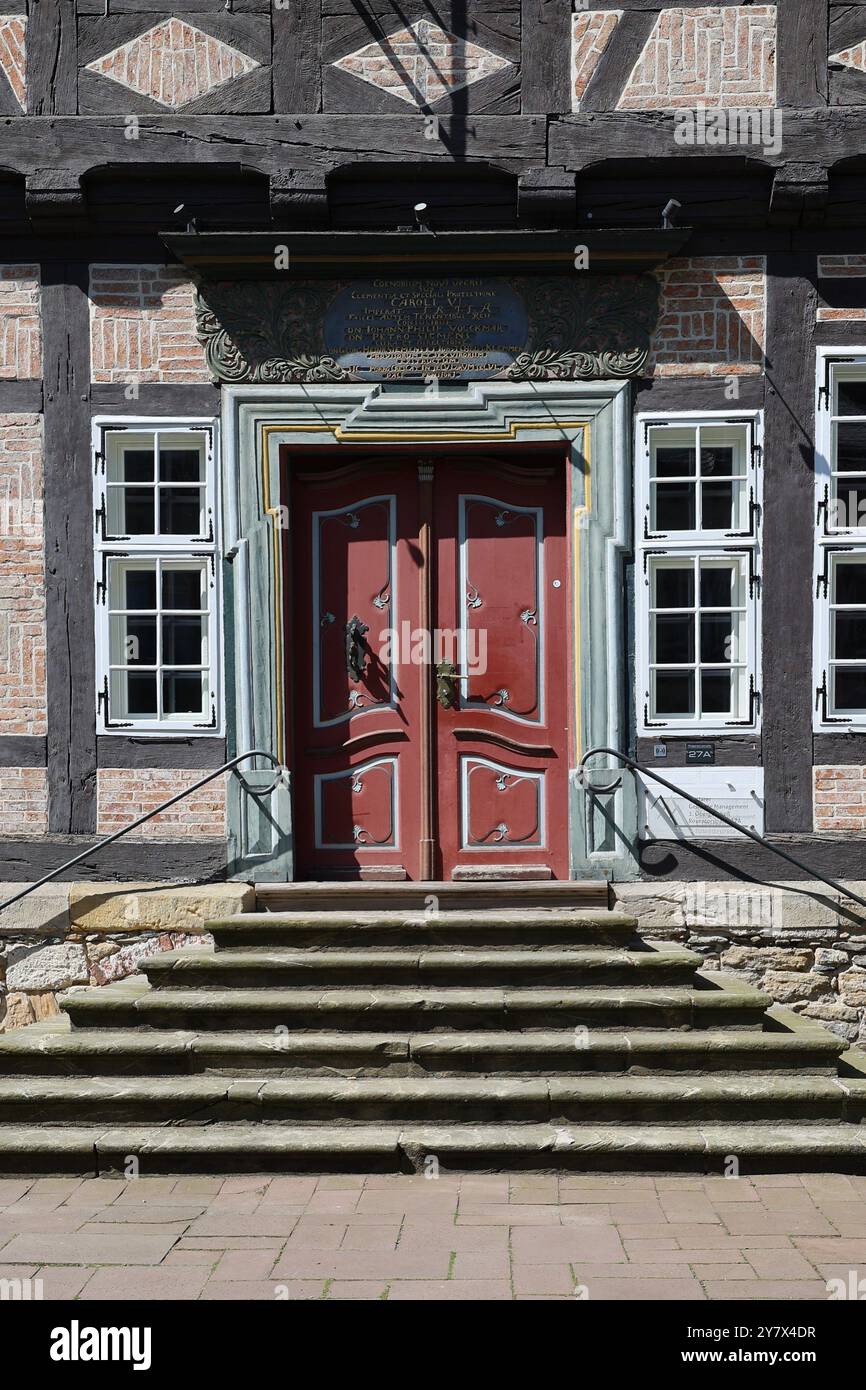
x=368, y=762
x=503, y=743
x=352, y=571
x=357, y=789
x=501, y=556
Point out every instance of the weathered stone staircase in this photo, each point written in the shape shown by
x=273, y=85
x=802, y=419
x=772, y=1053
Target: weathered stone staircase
x=521, y=1026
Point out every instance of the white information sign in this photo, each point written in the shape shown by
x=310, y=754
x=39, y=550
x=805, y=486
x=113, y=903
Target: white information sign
x=738, y=792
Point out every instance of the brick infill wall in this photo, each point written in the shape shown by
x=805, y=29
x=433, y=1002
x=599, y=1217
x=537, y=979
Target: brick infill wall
x=122, y=794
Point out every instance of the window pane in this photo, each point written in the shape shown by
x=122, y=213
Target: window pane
x=182, y=587
x=182, y=692
x=137, y=465
x=718, y=461
x=130, y=511
x=715, y=692
x=718, y=588
x=138, y=515
x=674, y=639
x=850, y=687
x=849, y=506
x=140, y=588
x=850, y=397
x=133, y=695
x=180, y=511
x=849, y=636
x=675, y=694
x=674, y=586
x=850, y=586
x=132, y=640
x=716, y=638
x=851, y=448
x=671, y=462
x=717, y=506
x=184, y=641
x=674, y=507
x=180, y=465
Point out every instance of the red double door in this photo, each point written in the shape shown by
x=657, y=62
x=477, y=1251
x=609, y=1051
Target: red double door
x=428, y=641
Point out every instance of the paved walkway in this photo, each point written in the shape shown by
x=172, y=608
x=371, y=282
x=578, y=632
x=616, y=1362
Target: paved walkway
x=470, y=1237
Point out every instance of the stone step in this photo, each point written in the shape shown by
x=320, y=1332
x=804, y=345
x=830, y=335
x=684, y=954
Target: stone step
x=479, y=893
x=234, y=1148
x=52, y=1048
x=656, y=1050
x=652, y=1100
x=718, y=1002
x=341, y=928
x=543, y=965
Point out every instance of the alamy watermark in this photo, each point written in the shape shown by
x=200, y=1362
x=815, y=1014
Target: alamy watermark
x=756, y=126
x=421, y=646
x=725, y=907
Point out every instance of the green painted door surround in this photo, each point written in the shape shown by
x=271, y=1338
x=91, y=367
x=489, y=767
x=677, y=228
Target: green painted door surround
x=591, y=421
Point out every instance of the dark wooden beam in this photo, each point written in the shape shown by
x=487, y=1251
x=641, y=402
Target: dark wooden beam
x=297, y=37
x=22, y=750
x=116, y=750
x=20, y=396
x=698, y=393
x=52, y=60
x=69, y=551
x=840, y=333
x=831, y=749
x=617, y=62
x=822, y=136
x=788, y=535
x=154, y=398
x=198, y=861
x=269, y=144
x=545, y=27
x=801, y=53
x=741, y=860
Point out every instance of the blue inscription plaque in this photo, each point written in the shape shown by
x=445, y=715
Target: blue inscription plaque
x=405, y=329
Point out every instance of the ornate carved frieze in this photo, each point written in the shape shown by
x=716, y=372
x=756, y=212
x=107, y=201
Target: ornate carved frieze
x=567, y=327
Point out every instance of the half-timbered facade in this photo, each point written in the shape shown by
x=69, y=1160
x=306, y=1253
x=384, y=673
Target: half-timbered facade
x=426, y=395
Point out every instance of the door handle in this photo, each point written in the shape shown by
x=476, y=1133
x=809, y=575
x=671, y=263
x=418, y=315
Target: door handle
x=356, y=654
x=446, y=683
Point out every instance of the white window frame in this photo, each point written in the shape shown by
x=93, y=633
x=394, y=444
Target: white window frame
x=153, y=548
x=650, y=545
x=831, y=539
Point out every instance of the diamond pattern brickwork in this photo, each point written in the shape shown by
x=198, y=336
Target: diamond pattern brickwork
x=421, y=63
x=712, y=56
x=173, y=63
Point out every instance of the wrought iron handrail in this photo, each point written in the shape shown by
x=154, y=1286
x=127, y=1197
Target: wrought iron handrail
x=230, y=766
x=583, y=772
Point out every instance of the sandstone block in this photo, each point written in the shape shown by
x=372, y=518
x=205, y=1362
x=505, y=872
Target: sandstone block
x=49, y=967
x=47, y=908
x=852, y=985
x=121, y=908
x=16, y=1011
x=786, y=986
x=768, y=958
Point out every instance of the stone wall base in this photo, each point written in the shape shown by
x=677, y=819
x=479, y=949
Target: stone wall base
x=68, y=934
x=800, y=942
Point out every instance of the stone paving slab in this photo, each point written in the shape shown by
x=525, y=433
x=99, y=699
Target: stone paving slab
x=465, y=1238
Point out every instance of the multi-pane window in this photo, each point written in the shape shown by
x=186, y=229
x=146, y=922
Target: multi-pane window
x=699, y=480
x=846, y=659
x=697, y=580
x=157, y=579
x=698, y=613
x=840, y=551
